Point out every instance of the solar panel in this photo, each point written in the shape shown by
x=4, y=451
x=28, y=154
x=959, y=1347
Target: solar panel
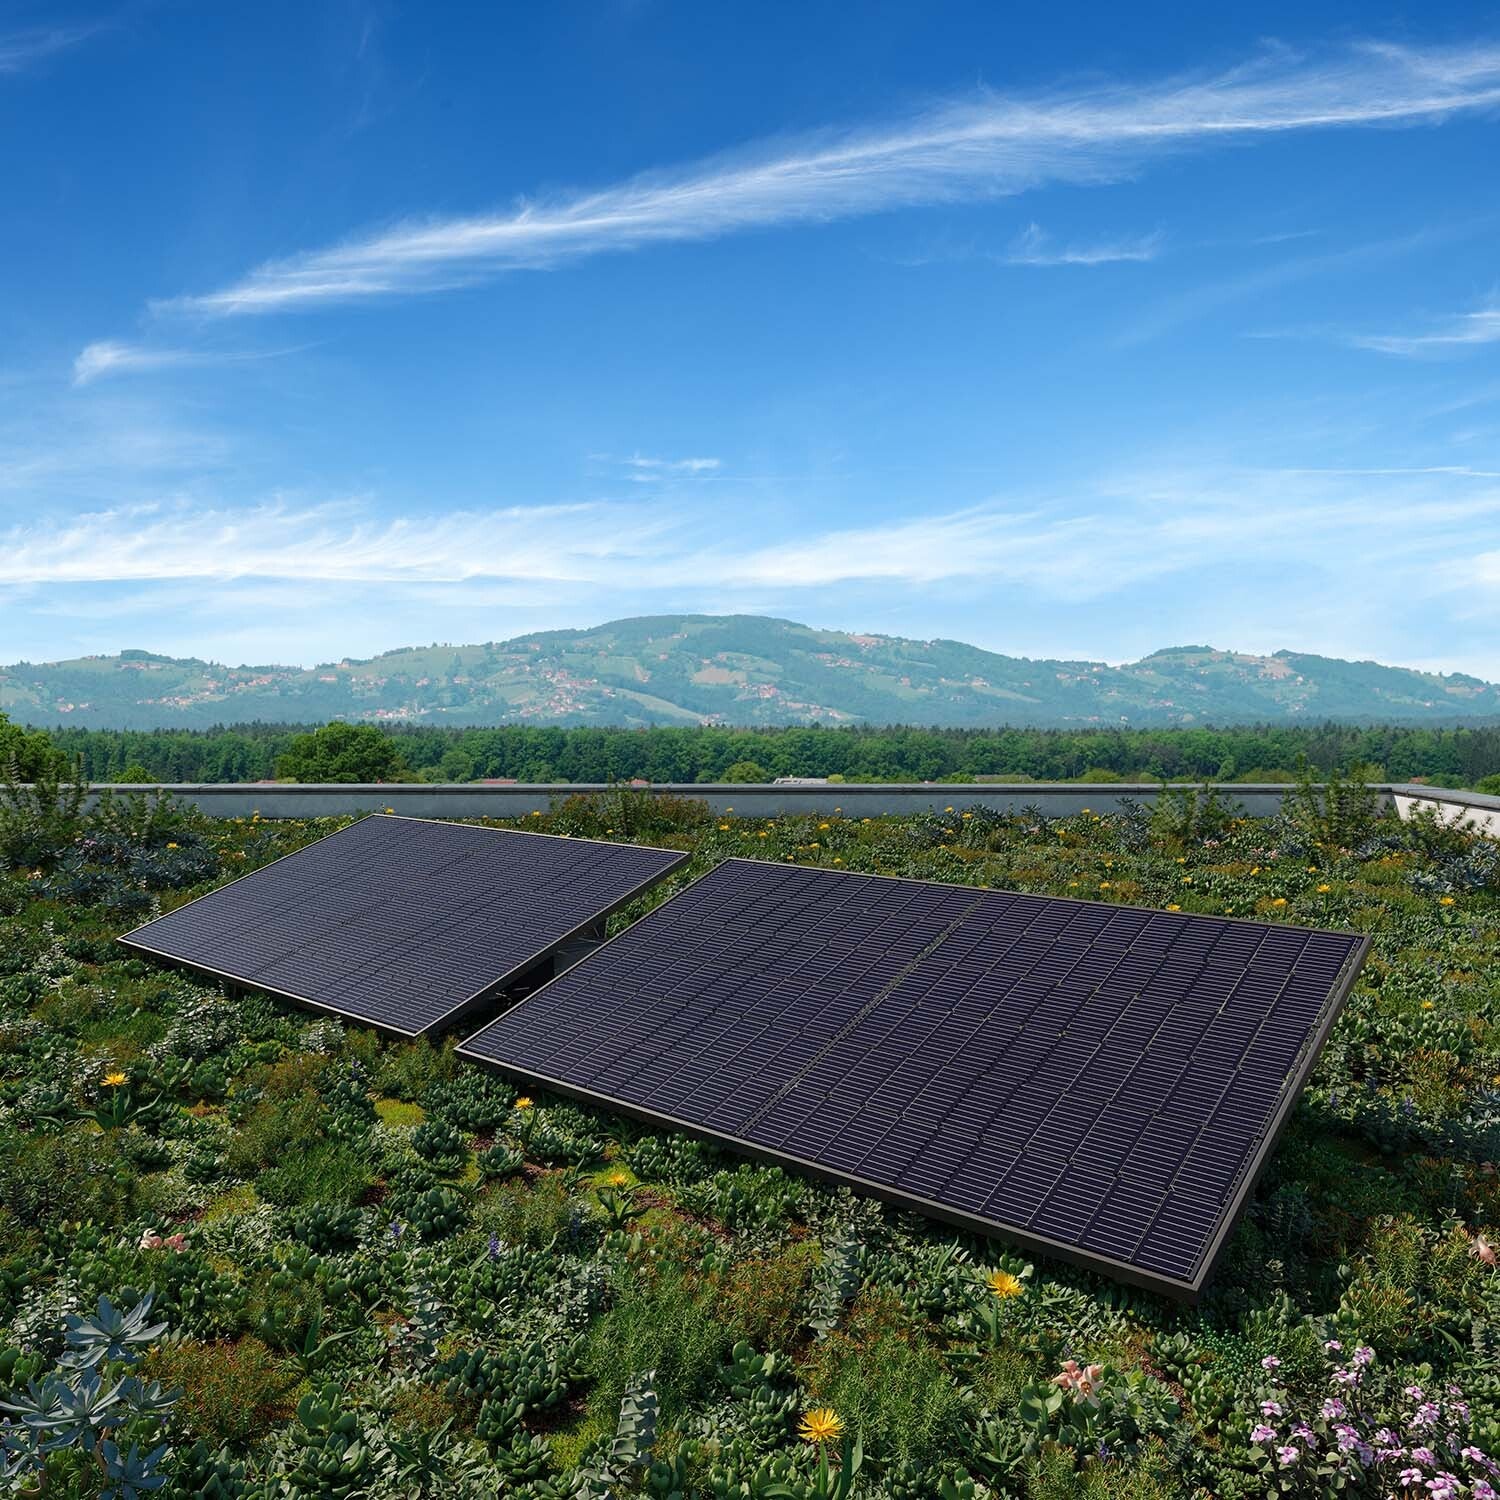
x=1097, y=1082
x=404, y=923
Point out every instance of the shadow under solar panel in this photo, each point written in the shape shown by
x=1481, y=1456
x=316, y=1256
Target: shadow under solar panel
x=404, y=923
x=1100, y=1083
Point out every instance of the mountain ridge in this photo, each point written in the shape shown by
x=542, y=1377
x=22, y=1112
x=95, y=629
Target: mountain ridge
x=742, y=670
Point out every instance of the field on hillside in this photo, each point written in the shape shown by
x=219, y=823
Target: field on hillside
x=337, y=1266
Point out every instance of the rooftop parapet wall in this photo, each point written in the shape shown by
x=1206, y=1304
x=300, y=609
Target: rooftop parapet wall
x=519, y=800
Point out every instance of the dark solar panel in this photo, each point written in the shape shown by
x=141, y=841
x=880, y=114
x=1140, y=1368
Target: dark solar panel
x=1097, y=1082
x=402, y=922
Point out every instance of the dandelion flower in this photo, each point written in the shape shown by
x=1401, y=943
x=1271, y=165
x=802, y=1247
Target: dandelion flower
x=1173, y=906
x=1104, y=885
x=1427, y=1004
x=823, y=827
x=723, y=827
x=1324, y=889
x=821, y=1425
x=1004, y=1285
x=114, y=1080
x=171, y=846
x=524, y=1102
x=619, y=1179
x=1279, y=901
x=1445, y=900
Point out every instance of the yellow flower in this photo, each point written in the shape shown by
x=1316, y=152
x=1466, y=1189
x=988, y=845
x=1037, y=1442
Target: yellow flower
x=114, y=1080
x=1324, y=889
x=1182, y=859
x=171, y=846
x=837, y=860
x=723, y=827
x=524, y=1102
x=1187, y=879
x=1445, y=900
x=390, y=809
x=1279, y=901
x=949, y=808
x=761, y=834
x=822, y=827
x=1072, y=883
x=1004, y=1285
x=1174, y=907
x=618, y=1179
x=1427, y=1005
x=1103, y=885
x=536, y=815
x=609, y=830
x=821, y=1425
x=968, y=815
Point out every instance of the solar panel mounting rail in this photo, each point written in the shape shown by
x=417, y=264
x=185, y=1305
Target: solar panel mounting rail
x=1101, y=1083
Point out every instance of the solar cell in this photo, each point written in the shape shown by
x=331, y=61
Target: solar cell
x=1096, y=1082
x=404, y=923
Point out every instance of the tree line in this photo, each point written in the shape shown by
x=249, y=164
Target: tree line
x=257, y=752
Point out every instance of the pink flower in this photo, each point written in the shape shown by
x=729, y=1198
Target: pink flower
x=1270, y=1409
x=1485, y=1251
x=1333, y=1407
x=1483, y=1490
x=1288, y=1454
x=1270, y=1362
x=1363, y=1354
x=1346, y=1377
x=1423, y=1456
x=1074, y=1377
x=1409, y=1476
x=152, y=1240
x=1260, y=1433
x=1334, y=1347
x=1415, y=1392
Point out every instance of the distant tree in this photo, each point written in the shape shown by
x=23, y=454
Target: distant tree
x=26, y=754
x=1489, y=785
x=341, y=752
x=746, y=770
x=1100, y=773
x=134, y=775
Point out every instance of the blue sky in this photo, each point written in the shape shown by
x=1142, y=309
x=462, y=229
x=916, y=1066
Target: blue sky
x=1072, y=330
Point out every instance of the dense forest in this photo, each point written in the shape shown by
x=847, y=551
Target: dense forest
x=250, y=752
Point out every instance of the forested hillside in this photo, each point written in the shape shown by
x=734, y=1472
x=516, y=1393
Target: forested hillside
x=737, y=670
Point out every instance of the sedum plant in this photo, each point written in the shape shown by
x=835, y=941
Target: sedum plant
x=89, y=1405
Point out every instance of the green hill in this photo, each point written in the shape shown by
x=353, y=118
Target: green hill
x=735, y=669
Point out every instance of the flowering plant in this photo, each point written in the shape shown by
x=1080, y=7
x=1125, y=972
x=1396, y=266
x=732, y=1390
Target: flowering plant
x=1429, y=1452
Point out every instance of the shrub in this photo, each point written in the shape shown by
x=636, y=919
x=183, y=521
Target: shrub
x=231, y=1392
x=885, y=1374
x=328, y=1172
x=46, y=1179
x=665, y=1322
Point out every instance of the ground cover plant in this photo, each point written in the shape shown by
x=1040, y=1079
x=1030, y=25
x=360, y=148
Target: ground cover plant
x=250, y=1252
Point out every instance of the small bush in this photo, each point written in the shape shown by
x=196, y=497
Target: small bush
x=231, y=1392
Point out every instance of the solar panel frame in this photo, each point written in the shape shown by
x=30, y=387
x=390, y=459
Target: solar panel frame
x=1186, y=1287
x=674, y=860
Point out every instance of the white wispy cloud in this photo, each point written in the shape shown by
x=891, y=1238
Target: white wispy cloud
x=21, y=49
x=673, y=465
x=109, y=358
x=1122, y=531
x=651, y=470
x=341, y=541
x=1455, y=335
x=985, y=146
x=1035, y=247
